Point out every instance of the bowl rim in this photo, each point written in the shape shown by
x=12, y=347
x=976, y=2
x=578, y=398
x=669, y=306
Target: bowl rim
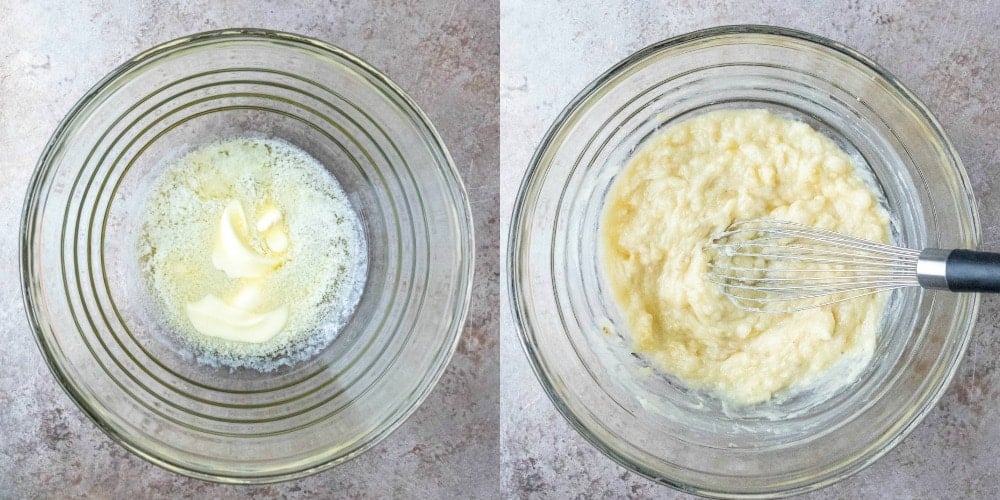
x=453, y=178
x=516, y=299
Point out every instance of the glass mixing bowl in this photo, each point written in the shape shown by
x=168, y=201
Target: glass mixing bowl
x=96, y=321
x=578, y=344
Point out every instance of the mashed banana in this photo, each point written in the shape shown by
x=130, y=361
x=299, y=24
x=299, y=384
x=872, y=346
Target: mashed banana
x=695, y=179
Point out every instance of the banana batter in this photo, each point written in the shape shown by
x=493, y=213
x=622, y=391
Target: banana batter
x=694, y=179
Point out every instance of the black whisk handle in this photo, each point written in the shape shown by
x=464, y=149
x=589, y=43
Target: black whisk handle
x=973, y=271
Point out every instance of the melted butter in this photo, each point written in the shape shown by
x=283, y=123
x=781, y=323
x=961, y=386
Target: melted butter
x=215, y=317
x=253, y=253
x=234, y=254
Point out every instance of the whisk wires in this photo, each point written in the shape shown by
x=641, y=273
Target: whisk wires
x=779, y=266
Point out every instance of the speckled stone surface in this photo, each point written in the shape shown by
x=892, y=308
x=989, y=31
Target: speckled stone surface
x=444, y=54
x=946, y=52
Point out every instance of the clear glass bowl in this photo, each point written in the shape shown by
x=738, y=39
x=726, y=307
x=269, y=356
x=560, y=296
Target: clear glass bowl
x=579, y=346
x=95, y=319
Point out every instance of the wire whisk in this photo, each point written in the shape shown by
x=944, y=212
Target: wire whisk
x=779, y=266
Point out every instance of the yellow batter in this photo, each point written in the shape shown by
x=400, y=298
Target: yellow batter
x=696, y=178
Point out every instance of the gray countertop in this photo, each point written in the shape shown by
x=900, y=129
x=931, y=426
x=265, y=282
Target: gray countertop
x=946, y=52
x=444, y=54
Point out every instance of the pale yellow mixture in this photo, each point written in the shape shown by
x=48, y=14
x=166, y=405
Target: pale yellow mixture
x=695, y=179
